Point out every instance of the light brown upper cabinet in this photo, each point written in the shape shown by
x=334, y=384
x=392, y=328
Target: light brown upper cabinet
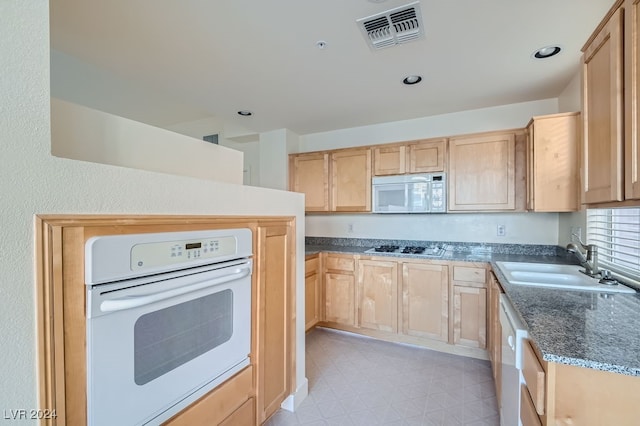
x=389, y=160
x=427, y=156
x=632, y=99
x=552, y=163
x=336, y=181
x=309, y=173
x=350, y=181
x=421, y=156
x=602, y=73
x=482, y=172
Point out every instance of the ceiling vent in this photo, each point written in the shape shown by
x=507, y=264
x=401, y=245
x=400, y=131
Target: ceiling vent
x=395, y=26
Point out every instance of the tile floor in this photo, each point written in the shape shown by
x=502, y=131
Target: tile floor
x=355, y=380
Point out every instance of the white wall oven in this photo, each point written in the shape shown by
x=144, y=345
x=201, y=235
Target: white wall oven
x=168, y=319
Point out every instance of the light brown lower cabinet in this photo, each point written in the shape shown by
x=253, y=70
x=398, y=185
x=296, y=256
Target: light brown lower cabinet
x=469, y=304
x=378, y=295
x=339, y=289
x=559, y=394
x=433, y=303
x=275, y=324
x=222, y=404
x=312, y=295
x=425, y=300
x=469, y=316
x=245, y=415
x=495, y=333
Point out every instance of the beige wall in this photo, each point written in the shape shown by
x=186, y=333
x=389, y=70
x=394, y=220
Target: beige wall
x=33, y=181
x=82, y=133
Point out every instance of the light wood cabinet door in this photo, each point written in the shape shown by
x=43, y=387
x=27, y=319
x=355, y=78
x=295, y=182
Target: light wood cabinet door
x=389, y=160
x=309, y=173
x=482, y=172
x=494, y=339
x=553, y=163
x=632, y=99
x=312, y=292
x=602, y=73
x=425, y=300
x=245, y=415
x=275, y=322
x=378, y=295
x=351, y=180
x=339, y=288
x=339, y=293
x=470, y=316
x=427, y=156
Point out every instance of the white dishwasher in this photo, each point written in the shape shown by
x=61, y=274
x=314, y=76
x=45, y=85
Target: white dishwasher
x=513, y=334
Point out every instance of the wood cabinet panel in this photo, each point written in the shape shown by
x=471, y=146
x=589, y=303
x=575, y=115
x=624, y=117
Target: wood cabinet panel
x=274, y=319
x=378, y=295
x=469, y=316
x=221, y=402
x=602, y=71
x=427, y=156
x=389, y=160
x=534, y=376
x=351, y=180
x=632, y=99
x=553, y=163
x=245, y=415
x=309, y=173
x=312, y=292
x=339, y=263
x=339, y=293
x=482, y=172
x=495, y=333
x=470, y=275
x=425, y=300
x=528, y=415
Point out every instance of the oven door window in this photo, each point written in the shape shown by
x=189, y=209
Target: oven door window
x=170, y=337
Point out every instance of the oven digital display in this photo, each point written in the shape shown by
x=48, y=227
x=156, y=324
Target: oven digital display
x=193, y=246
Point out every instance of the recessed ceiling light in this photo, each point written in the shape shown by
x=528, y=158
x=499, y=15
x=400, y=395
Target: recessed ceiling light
x=321, y=44
x=245, y=113
x=546, y=52
x=412, y=79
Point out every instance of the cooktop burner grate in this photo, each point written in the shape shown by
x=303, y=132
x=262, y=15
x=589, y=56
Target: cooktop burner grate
x=431, y=251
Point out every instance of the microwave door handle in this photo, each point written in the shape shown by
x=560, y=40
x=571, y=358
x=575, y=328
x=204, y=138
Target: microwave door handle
x=130, y=302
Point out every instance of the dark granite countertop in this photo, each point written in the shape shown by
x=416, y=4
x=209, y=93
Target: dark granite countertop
x=581, y=328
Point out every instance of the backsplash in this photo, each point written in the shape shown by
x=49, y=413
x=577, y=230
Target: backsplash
x=477, y=248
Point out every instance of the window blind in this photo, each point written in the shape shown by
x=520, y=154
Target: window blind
x=616, y=233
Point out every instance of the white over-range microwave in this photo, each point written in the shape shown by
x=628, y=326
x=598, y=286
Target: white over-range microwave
x=419, y=193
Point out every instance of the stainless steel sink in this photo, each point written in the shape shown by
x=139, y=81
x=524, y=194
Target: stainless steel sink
x=555, y=276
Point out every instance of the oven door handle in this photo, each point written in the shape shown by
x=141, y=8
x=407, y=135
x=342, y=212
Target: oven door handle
x=129, y=302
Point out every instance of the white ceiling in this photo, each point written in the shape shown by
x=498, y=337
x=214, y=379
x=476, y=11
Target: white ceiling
x=204, y=58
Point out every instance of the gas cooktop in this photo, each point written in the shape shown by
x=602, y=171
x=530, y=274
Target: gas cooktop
x=431, y=251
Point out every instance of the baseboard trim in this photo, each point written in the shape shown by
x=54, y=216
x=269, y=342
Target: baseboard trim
x=293, y=401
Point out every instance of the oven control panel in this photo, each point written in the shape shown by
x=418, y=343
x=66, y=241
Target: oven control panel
x=151, y=255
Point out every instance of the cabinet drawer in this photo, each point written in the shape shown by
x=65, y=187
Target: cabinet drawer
x=310, y=266
x=528, y=415
x=212, y=408
x=243, y=416
x=534, y=375
x=340, y=263
x=470, y=274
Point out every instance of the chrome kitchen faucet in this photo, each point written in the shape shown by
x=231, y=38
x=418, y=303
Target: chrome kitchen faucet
x=590, y=261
